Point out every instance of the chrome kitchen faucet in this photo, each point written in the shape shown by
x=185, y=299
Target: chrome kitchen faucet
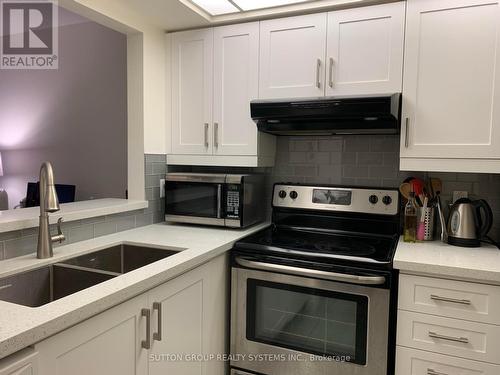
x=48, y=203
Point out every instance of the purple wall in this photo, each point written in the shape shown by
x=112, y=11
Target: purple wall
x=75, y=117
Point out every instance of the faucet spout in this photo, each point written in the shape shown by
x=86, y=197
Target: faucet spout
x=48, y=203
x=48, y=195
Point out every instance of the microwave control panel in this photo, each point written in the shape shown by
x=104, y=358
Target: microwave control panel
x=233, y=201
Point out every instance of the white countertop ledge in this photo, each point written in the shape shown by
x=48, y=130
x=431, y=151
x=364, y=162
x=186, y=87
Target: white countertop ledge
x=25, y=218
x=435, y=258
x=21, y=326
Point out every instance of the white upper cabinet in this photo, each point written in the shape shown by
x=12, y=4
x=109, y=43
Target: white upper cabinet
x=192, y=84
x=292, y=57
x=365, y=50
x=214, y=77
x=236, y=76
x=451, y=108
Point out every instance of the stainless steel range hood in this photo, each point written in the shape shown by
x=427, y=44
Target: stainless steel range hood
x=373, y=114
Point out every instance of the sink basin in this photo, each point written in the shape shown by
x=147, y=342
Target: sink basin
x=43, y=285
x=120, y=259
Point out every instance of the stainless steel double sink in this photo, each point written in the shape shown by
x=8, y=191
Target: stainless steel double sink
x=46, y=284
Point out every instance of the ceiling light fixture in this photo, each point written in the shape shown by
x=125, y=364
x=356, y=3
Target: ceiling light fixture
x=220, y=7
x=216, y=7
x=261, y=4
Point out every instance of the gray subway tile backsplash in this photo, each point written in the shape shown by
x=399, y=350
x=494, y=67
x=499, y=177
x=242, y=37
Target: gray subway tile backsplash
x=339, y=160
x=22, y=242
x=369, y=161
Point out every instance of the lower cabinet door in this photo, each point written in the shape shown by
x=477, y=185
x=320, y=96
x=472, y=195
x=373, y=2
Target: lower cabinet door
x=419, y=362
x=189, y=322
x=24, y=362
x=107, y=344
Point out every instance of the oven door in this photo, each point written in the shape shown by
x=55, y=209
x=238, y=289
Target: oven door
x=194, y=202
x=284, y=324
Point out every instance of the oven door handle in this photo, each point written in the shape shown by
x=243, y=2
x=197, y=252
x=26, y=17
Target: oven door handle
x=334, y=276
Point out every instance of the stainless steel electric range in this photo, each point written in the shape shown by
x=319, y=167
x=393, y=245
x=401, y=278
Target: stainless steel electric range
x=315, y=293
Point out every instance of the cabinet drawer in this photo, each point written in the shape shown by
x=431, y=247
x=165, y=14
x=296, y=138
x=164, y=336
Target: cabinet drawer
x=476, y=341
x=417, y=362
x=454, y=299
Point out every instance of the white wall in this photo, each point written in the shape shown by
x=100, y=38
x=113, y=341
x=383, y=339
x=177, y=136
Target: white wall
x=115, y=14
x=146, y=81
x=75, y=117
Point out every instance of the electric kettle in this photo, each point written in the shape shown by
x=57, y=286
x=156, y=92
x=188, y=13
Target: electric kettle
x=466, y=226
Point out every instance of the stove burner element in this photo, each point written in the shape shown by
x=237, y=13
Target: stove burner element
x=341, y=246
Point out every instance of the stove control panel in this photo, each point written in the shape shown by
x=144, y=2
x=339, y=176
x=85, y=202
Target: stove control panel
x=332, y=198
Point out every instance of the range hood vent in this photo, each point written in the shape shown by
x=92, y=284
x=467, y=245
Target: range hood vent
x=374, y=114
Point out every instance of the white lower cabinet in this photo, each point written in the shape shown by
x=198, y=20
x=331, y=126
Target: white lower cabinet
x=171, y=329
x=447, y=327
x=24, y=362
x=109, y=343
x=419, y=362
x=193, y=321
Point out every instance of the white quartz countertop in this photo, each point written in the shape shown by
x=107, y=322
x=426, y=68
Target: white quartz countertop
x=21, y=326
x=24, y=218
x=435, y=258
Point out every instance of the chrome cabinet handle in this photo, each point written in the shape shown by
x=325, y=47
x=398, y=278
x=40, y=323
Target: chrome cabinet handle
x=330, y=74
x=216, y=134
x=407, y=126
x=434, y=372
x=146, y=344
x=157, y=334
x=318, y=68
x=434, y=335
x=206, y=134
x=451, y=300
x=353, y=279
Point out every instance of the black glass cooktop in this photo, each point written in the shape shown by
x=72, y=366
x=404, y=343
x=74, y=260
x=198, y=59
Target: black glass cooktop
x=353, y=247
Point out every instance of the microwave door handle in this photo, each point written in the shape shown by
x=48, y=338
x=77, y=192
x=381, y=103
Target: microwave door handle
x=333, y=276
x=219, y=201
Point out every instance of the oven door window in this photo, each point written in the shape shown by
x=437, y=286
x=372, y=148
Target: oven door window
x=315, y=321
x=192, y=199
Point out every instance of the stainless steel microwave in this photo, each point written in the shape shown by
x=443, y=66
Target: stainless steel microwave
x=228, y=200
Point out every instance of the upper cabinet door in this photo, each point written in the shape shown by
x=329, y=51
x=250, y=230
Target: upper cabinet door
x=236, y=75
x=192, y=83
x=451, y=103
x=292, y=57
x=365, y=50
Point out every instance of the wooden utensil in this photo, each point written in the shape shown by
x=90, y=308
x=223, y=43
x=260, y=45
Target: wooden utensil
x=405, y=190
x=436, y=186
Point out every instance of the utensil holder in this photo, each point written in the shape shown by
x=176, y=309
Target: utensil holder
x=429, y=215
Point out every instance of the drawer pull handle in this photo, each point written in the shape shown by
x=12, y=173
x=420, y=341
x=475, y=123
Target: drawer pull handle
x=451, y=300
x=434, y=372
x=434, y=335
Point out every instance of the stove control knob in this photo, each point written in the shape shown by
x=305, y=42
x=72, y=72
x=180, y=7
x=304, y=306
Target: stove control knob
x=387, y=200
x=282, y=194
x=293, y=194
x=373, y=199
